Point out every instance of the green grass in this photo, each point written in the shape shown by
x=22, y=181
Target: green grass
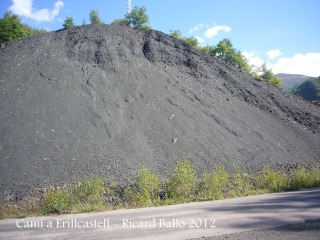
x=85, y=195
x=21, y=209
x=99, y=194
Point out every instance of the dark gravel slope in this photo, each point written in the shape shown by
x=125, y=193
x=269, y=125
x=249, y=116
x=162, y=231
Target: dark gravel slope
x=105, y=99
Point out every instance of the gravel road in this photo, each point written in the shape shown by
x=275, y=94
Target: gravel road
x=310, y=230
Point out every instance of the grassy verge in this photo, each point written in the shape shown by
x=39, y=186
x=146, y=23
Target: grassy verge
x=184, y=185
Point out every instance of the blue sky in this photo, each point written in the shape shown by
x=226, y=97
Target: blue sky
x=283, y=33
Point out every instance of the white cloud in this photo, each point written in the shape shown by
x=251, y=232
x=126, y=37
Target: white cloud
x=308, y=64
x=196, y=28
x=211, y=32
x=253, y=58
x=256, y=62
x=24, y=8
x=273, y=54
x=248, y=54
x=200, y=40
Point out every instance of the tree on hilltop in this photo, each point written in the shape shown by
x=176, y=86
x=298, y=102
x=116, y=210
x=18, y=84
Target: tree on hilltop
x=12, y=29
x=192, y=41
x=94, y=17
x=176, y=34
x=226, y=52
x=263, y=73
x=68, y=23
x=138, y=18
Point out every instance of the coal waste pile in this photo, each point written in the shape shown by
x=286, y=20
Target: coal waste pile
x=103, y=100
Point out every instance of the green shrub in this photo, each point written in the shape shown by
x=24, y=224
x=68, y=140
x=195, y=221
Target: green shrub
x=315, y=176
x=145, y=189
x=183, y=183
x=271, y=180
x=213, y=184
x=241, y=184
x=300, y=178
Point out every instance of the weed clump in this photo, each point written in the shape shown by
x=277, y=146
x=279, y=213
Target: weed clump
x=56, y=200
x=83, y=196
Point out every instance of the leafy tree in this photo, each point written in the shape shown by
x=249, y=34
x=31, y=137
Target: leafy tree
x=176, y=34
x=192, y=41
x=138, y=18
x=12, y=29
x=226, y=52
x=68, y=23
x=265, y=74
x=209, y=49
x=94, y=17
x=276, y=81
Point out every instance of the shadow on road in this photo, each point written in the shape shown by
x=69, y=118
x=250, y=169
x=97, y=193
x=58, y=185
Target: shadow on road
x=301, y=200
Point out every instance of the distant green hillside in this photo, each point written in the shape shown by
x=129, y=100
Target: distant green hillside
x=291, y=80
x=309, y=89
